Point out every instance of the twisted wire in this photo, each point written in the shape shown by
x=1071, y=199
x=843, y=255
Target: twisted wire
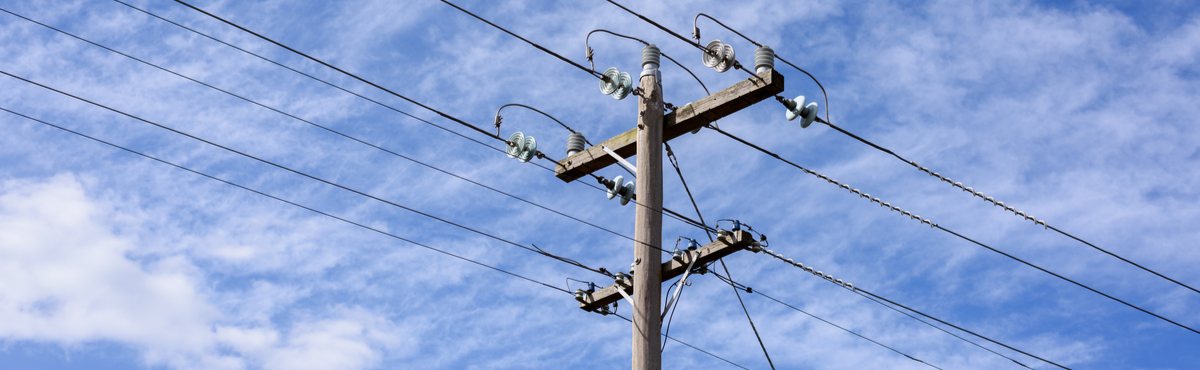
x=960, y=236
x=1010, y=209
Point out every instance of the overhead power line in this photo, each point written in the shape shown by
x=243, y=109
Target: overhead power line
x=749, y=290
x=738, y=294
x=531, y=43
x=676, y=166
x=622, y=317
x=305, y=74
x=696, y=34
x=335, y=217
x=857, y=290
x=1008, y=208
x=946, y=230
x=347, y=73
x=695, y=44
x=666, y=211
x=289, y=202
x=329, y=129
x=313, y=177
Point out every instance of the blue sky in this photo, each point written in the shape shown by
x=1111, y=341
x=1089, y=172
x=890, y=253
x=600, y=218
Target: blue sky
x=1077, y=112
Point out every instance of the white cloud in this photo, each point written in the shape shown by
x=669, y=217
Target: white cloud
x=1075, y=113
x=68, y=280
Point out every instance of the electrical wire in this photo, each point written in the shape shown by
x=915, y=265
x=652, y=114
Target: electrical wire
x=534, y=44
x=936, y=175
x=696, y=33
x=385, y=233
x=873, y=295
x=666, y=211
x=856, y=290
x=344, y=72
x=951, y=232
x=592, y=71
x=753, y=328
x=673, y=307
x=262, y=193
x=675, y=163
x=644, y=43
x=689, y=345
x=310, y=76
x=1000, y=204
x=312, y=177
x=749, y=290
x=338, y=218
x=696, y=44
x=909, y=315
x=331, y=130
x=560, y=123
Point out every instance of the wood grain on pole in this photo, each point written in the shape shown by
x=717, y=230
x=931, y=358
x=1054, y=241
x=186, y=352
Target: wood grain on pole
x=685, y=119
x=647, y=275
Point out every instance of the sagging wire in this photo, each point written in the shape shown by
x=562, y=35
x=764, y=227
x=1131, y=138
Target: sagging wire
x=954, y=233
x=750, y=290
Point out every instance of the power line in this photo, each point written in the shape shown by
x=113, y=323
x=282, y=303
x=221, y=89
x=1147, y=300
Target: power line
x=944, y=229
x=310, y=209
x=959, y=185
x=1008, y=208
x=746, y=311
x=909, y=315
x=319, y=179
x=956, y=184
x=644, y=43
x=673, y=160
x=750, y=290
x=336, y=218
x=689, y=345
x=310, y=76
x=856, y=290
x=736, y=64
x=675, y=163
x=665, y=211
x=678, y=216
x=696, y=34
x=862, y=194
x=534, y=44
x=344, y=72
x=329, y=129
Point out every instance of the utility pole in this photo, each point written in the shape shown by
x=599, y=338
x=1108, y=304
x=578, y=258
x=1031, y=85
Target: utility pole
x=646, y=141
x=647, y=273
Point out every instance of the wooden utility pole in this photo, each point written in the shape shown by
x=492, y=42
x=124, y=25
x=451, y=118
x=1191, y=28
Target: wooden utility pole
x=646, y=141
x=647, y=234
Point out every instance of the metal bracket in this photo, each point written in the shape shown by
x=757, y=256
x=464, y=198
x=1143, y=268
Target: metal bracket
x=620, y=160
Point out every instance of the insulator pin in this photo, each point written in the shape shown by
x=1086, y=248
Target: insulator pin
x=625, y=190
x=651, y=55
x=575, y=143
x=616, y=84
x=797, y=109
x=521, y=147
x=719, y=56
x=764, y=59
